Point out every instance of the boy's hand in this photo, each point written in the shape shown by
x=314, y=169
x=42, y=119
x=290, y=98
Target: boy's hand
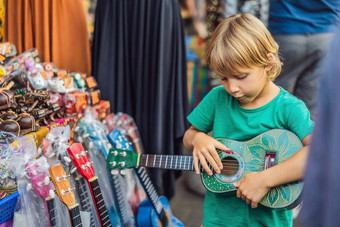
x=252, y=188
x=205, y=150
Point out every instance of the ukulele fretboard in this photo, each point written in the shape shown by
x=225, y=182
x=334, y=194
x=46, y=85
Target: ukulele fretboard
x=75, y=216
x=84, y=198
x=150, y=191
x=173, y=162
x=51, y=212
x=100, y=204
x=121, y=200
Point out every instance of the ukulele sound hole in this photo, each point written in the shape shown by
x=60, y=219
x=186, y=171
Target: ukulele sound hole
x=230, y=166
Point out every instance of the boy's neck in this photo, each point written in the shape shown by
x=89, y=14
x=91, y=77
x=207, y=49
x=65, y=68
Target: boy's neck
x=269, y=92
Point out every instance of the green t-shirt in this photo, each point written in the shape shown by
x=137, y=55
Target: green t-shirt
x=220, y=113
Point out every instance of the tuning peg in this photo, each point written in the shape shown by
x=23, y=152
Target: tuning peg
x=123, y=172
x=83, y=153
x=51, y=155
x=76, y=128
x=109, y=145
x=29, y=187
x=114, y=153
x=52, y=193
x=73, y=170
x=24, y=174
x=85, y=135
x=121, y=164
x=91, y=145
x=89, y=164
x=40, y=150
x=123, y=154
x=67, y=159
x=113, y=163
x=119, y=146
x=80, y=140
x=47, y=180
x=114, y=171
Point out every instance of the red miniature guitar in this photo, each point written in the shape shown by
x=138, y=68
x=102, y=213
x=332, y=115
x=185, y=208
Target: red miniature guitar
x=84, y=166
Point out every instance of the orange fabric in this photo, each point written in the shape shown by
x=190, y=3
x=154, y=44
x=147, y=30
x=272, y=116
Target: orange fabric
x=57, y=28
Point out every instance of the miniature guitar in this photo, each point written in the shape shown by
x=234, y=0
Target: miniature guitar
x=99, y=140
x=84, y=166
x=37, y=171
x=156, y=210
x=54, y=147
x=262, y=152
x=65, y=193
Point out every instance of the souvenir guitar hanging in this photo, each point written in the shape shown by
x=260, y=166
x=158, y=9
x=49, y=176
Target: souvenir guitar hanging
x=54, y=147
x=154, y=211
x=264, y=151
x=98, y=139
x=65, y=193
x=84, y=166
x=136, y=193
x=37, y=171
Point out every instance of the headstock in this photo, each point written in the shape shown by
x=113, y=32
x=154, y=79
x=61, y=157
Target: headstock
x=94, y=136
x=37, y=171
x=121, y=159
x=81, y=160
x=62, y=185
x=119, y=141
x=130, y=126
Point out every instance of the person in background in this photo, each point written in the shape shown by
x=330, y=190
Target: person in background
x=244, y=55
x=303, y=30
x=321, y=197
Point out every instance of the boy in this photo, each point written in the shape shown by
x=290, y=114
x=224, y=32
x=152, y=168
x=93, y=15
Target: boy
x=245, y=57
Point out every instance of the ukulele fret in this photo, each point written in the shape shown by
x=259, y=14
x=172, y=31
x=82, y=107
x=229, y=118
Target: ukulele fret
x=123, y=210
x=75, y=216
x=150, y=191
x=51, y=212
x=100, y=204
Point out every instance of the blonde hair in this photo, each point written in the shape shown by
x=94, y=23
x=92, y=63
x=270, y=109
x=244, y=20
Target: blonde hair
x=242, y=41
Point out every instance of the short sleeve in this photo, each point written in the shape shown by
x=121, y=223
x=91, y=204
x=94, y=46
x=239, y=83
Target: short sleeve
x=202, y=117
x=299, y=120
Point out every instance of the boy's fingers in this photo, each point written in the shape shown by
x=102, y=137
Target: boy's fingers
x=254, y=204
x=217, y=159
x=196, y=164
x=221, y=146
x=214, y=161
x=204, y=164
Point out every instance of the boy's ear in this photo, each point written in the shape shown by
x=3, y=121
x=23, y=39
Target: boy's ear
x=271, y=58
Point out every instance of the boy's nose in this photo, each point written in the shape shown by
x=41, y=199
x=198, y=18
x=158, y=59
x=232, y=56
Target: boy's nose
x=234, y=88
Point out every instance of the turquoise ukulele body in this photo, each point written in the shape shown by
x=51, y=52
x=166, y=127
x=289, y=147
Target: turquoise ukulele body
x=263, y=151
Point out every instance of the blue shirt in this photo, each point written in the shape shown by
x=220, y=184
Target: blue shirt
x=303, y=16
x=322, y=182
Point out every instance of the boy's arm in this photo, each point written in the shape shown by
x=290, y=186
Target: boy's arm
x=254, y=186
x=203, y=149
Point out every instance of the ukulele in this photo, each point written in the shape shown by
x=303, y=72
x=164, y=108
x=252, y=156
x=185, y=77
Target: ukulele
x=154, y=211
x=84, y=166
x=97, y=139
x=262, y=152
x=37, y=171
x=54, y=147
x=65, y=193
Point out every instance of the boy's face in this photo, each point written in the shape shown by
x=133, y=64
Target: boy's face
x=248, y=85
